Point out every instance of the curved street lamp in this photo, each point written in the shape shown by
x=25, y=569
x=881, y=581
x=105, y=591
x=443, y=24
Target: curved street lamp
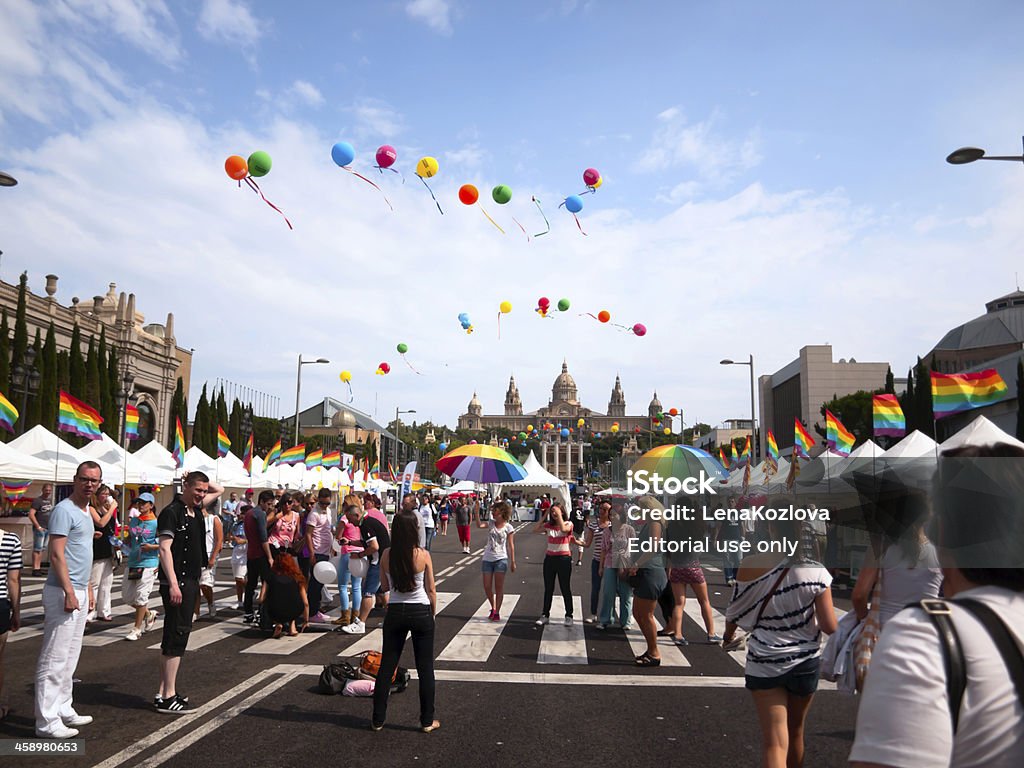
x=966, y=155
x=753, y=413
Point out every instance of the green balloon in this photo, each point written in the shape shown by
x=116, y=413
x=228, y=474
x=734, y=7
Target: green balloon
x=259, y=164
x=403, y=348
x=501, y=194
x=563, y=304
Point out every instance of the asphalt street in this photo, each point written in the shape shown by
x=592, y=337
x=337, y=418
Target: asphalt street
x=509, y=693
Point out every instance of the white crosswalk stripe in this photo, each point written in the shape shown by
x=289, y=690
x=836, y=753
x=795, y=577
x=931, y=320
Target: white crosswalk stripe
x=476, y=640
x=372, y=641
x=561, y=644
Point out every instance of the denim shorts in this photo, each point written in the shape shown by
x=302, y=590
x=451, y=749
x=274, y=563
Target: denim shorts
x=39, y=539
x=494, y=566
x=801, y=680
x=371, y=583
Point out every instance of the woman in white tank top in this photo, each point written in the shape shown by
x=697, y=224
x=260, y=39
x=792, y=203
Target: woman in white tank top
x=408, y=572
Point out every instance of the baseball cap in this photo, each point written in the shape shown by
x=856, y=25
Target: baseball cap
x=147, y=497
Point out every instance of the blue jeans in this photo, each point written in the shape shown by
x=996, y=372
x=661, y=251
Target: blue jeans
x=344, y=578
x=595, y=585
x=429, y=537
x=612, y=585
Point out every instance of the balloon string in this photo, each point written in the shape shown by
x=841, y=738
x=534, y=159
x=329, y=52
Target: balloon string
x=381, y=168
x=491, y=220
x=351, y=395
x=256, y=187
x=410, y=366
x=546, y=222
x=431, y=193
x=499, y=325
x=588, y=314
x=579, y=225
x=522, y=228
x=344, y=168
x=590, y=191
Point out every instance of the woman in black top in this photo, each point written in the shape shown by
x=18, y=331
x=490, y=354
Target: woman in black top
x=283, y=597
x=103, y=509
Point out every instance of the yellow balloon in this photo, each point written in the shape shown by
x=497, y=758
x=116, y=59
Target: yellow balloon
x=529, y=427
x=581, y=422
x=615, y=428
x=346, y=376
x=505, y=307
x=427, y=167
x=599, y=182
x=667, y=431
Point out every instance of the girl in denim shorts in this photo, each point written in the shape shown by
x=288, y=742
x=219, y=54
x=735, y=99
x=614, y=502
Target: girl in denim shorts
x=499, y=556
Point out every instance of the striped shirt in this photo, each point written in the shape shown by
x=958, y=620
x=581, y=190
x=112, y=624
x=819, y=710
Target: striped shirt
x=558, y=541
x=10, y=560
x=597, y=542
x=787, y=633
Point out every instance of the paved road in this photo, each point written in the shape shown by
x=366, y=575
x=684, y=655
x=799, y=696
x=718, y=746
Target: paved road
x=508, y=694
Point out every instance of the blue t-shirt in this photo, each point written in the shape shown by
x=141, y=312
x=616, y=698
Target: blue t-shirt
x=69, y=520
x=142, y=532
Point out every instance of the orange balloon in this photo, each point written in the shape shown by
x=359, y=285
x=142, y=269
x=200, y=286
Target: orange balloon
x=236, y=167
x=673, y=411
x=468, y=194
x=604, y=316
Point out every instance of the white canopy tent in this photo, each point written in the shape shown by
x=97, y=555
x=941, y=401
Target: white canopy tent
x=126, y=468
x=42, y=444
x=16, y=465
x=539, y=480
x=981, y=431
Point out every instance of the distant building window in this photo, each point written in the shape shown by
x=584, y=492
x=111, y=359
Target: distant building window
x=146, y=425
x=1001, y=305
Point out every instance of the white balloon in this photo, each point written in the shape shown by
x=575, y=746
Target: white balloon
x=358, y=566
x=325, y=573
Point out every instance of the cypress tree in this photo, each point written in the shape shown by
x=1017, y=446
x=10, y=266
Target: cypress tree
x=76, y=365
x=179, y=410
x=890, y=382
x=222, y=417
x=113, y=385
x=49, y=384
x=923, y=400
x=1020, y=398
x=907, y=403
x=200, y=428
x=105, y=405
x=235, y=428
x=63, y=373
x=5, y=356
x=20, y=324
x=92, y=376
x=32, y=417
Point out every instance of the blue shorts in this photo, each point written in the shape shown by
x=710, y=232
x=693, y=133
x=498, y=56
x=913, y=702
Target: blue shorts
x=494, y=566
x=802, y=680
x=39, y=539
x=371, y=583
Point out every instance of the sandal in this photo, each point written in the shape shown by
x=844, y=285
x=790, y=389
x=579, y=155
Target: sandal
x=278, y=629
x=646, y=660
x=665, y=633
x=432, y=727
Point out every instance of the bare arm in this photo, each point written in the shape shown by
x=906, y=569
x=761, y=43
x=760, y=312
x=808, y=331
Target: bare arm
x=539, y=527
x=167, y=564
x=218, y=541
x=862, y=590
x=511, y=551
x=102, y=520
x=14, y=593
x=213, y=492
x=428, y=582
x=59, y=564
x=385, y=580
x=825, y=613
x=32, y=519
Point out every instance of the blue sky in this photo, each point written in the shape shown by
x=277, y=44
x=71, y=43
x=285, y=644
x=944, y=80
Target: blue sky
x=774, y=177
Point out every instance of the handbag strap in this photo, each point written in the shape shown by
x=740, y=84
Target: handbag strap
x=952, y=654
x=764, y=603
x=1003, y=639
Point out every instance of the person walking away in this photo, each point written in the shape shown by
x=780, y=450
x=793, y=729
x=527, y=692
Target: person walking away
x=214, y=533
x=784, y=604
x=648, y=577
x=730, y=530
x=318, y=542
x=446, y=510
x=499, y=556
x=348, y=537
x=579, y=527
x=594, y=537
x=10, y=600
x=183, y=553
x=685, y=570
x=375, y=539
x=408, y=572
x=557, y=561
x=283, y=599
x=258, y=555
x=103, y=509
x=463, y=513
x=142, y=564
x=64, y=602
x=39, y=516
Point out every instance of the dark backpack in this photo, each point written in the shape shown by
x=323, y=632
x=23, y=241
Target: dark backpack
x=334, y=676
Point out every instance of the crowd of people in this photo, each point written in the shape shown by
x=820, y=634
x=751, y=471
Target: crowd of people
x=911, y=713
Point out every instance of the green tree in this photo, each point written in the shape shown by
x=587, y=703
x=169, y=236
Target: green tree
x=266, y=432
x=222, y=417
x=201, y=426
x=76, y=365
x=5, y=356
x=34, y=405
x=49, y=383
x=1020, y=398
x=106, y=405
x=92, y=376
x=907, y=403
x=179, y=411
x=890, y=382
x=112, y=423
x=855, y=412
x=234, y=429
x=63, y=372
x=923, y=415
x=20, y=324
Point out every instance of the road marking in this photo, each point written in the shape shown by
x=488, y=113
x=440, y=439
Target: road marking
x=464, y=560
x=671, y=654
x=561, y=644
x=456, y=570
x=372, y=641
x=442, y=573
x=200, y=638
x=477, y=638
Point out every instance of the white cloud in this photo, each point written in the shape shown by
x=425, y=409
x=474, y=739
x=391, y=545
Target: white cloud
x=229, y=21
x=146, y=24
x=375, y=118
x=308, y=93
x=436, y=14
x=468, y=157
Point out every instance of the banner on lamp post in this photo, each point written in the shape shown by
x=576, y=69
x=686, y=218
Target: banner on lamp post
x=408, y=474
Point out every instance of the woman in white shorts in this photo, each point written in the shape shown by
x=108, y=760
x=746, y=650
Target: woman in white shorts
x=238, y=553
x=143, y=561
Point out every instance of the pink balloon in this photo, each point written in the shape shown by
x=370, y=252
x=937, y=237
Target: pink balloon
x=591, y=176
x=543, y=302
x=386, y=156
x=640, y=329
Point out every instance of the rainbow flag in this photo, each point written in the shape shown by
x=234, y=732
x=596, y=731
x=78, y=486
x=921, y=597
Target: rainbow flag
x=131, y=422
x=15, y=491
x=273, y=457
x=958, y=392
x=391, y=469
x=223, y=444
x=745, y=453
x=375, y=471
x=294, y=455
x=723, y=458
x=247, y=456
x=78, y=418
x=179, y=444
x=332, y=459
x=802, y=440
x=732, y=450
x=838, y=437
x=773, y=450
x=315, y=458
x=8, y=414
x=794, y=470
x=887, y=416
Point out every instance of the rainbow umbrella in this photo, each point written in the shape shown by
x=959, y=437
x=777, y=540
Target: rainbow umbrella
x=481, y=464
x=680, y=462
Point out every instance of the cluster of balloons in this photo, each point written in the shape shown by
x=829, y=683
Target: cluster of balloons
x=383, y=369
x=343, y=155
x=604, y=316
x=544, y=306
x=256, y=166
x=464, y=322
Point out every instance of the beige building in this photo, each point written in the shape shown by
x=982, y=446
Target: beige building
x=147, y=351
x=725, y=433
x=798, y=390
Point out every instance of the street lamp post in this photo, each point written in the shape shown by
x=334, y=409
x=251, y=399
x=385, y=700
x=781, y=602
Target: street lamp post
x=123, y=395
x=298, y=387
x=753, y=413
x=397, y=440
x=25, y=379
x=966, y=155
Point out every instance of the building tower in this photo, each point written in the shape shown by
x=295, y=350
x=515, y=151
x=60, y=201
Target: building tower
x=564, y=389
x=474, y=413
x=617, y=402
x=513, y=404
x=655, y=407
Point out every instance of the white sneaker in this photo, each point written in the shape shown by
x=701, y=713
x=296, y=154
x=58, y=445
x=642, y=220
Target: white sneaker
x=149, y=621
x=239, y=606
x=58, y=732
x=135, y=634
x=541, y=621
x=355, y=628
x=590, y=620
x=213, y=610
x=568, y=621
x=76, y=720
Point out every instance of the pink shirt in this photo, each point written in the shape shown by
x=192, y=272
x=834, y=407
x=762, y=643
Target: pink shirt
x=319, y=524
x=558, y=541
x=378, y=514
x=351, y=533
x=284, y=531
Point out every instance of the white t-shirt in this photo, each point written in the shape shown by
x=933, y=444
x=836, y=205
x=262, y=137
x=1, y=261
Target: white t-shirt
x=904, y=715
x=427, y=513
x=497, y=542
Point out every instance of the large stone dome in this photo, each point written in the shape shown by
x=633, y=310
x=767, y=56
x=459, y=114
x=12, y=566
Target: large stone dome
x=343, y=419
x=564, y=388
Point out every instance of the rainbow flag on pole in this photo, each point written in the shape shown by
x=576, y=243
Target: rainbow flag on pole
x=332, y=459
x=958, y=392
x=273, y=457
x=131, y=422
x=887, y=416
x=247, y=456
x=8, y=414
x=745, y=453
x=78, y=418
x=773, y=450
x=723, y=458
x=732, y=451
x=802, y=440
x=315, y=458
x=223, y=444
x=838, y=437
x=294, y=455
x=179, y=444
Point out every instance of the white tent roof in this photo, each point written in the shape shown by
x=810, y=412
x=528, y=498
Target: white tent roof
x=913, y=446
x=981, y=431
x=539, y=479
x=156, y=455
x=126, y=467
x=15, y=465
x=42, y=444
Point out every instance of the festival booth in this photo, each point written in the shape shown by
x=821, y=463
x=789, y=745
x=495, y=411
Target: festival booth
x=539, y=480
x=17, y=465
x=126, y=468
x=981, y=431
x=63, y=459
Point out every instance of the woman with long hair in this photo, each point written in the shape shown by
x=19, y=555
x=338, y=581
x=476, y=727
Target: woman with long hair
x=103, y=509
x=285, y=528
x=283, y=597
x=349, y=538
x=614, y=568
x=407, y=570
x=647, y=576
x=557, y=561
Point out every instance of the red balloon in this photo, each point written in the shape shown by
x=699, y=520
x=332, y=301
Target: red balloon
x=673, y=411
x=591, y=176
x=604, y=316
x=543, y=302
x=386, y=156
x=640, y=329
x=636, y=430
x=468, y=194
x=236, y=167
x=385, y=367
